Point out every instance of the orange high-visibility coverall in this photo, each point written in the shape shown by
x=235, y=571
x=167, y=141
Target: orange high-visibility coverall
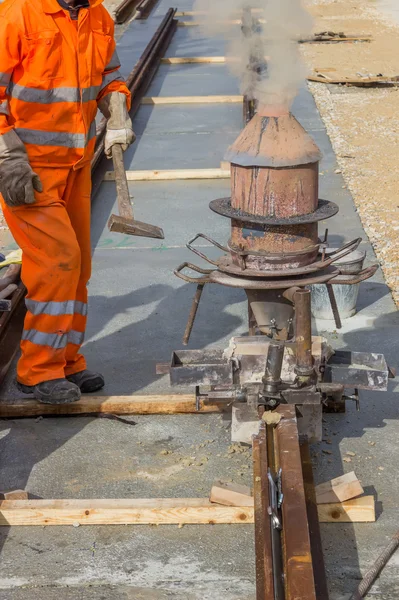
x=53, y=72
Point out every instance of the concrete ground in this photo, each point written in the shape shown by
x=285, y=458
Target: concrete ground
x=138, y=310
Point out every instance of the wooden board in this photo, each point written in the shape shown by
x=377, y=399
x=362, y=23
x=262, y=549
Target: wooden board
x=195, y=13
x=339, y=489
x=15, y=495
x=176, y=174
x=159, y=511
x=163, y=511
x=199, y=23
x=360, y=510
x=356, y=81
x=192, y=60
x=231, y=494
x=117, y=405
x=192, y=99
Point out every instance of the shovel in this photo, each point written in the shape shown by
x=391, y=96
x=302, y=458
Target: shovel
x=125, y=222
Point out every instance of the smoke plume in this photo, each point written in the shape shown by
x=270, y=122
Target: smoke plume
x=263, y=53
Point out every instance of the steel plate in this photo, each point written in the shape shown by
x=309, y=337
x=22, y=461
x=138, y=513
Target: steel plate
x=325, y=210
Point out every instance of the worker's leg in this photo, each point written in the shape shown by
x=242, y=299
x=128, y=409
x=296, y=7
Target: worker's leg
x=51, y=266
x=77, y=199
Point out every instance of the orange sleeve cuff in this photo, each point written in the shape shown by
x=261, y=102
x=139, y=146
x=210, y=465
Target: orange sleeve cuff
x=117, y=86
x=4, y=125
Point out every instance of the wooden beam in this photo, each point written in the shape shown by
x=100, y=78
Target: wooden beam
x=192, y=60
x=356, y=81
x=159, y=511
x=339, y=489
x=192, y=99
x=162, y=511
x=15, y=495
x=360, y=510
x=117, y=405
x=176, y=174
x=231, y=494
x=199, y=23
x=195, y=13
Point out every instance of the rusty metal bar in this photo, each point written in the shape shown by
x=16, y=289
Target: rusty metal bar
x=125, y=10
x=263, y=543
x=298, y=566
x=11, y=325
x=193, y=313
x=303, y=333
x=334, y=305
x=319, y=569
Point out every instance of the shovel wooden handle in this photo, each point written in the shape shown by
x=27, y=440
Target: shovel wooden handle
x=122, y=188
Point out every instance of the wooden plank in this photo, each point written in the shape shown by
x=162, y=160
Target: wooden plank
x=192, y=99
x=360, y=510
x=162, y=511
x=173, y=174
x=356, y=81
x=159, y=511
x=231, y=494
x=199, y=23
x=15, y=495
x=192, y=60
x=339, y=489
x=195, y=13
x=117, y=405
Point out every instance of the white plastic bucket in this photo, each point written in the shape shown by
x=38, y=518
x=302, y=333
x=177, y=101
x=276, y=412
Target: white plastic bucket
x=345, y=295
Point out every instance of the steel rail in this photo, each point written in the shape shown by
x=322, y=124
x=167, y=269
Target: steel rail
x=300, y=565
x=11, y=325
x=140, y=9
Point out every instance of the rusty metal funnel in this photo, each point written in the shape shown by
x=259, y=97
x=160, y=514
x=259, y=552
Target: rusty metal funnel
x=273, y=141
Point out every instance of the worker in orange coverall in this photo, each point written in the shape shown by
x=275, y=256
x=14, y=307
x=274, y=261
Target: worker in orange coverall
x=58, y=64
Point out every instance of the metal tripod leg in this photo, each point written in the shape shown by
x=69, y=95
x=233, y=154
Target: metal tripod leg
x=193, y=313
x=334, y=306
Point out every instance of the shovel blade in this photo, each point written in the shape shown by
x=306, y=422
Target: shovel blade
x=133, y=227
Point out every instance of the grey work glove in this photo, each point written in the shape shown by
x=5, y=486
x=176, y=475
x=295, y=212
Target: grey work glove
x=17, y=179
x=119, y=125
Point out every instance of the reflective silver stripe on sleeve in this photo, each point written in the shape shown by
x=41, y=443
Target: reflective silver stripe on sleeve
x=4, y=108
x=109, y=78
x=5, y=79
x=51, y=138
x=54, y=95
x=80, y=308
x=92, y=131
x=54, y=340
x=114, y=63
x=69, y=307
x=76, y=337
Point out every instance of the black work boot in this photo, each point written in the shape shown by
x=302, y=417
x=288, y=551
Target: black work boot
x=55, y=391
x=87, y=381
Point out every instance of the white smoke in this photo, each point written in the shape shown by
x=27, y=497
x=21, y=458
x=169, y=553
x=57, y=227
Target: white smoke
x=271, y=29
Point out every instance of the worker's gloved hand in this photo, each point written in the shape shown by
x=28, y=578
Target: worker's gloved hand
x=119, y=125
x=17, y=179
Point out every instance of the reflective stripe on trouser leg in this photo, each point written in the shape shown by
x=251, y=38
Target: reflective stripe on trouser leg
x=52, y=273
x=78, y=206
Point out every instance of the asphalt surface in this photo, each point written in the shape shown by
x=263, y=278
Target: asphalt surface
x=138, y=310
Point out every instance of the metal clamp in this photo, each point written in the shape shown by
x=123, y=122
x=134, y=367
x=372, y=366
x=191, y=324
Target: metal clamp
x=276, y=498
x=365, y=274
x=187, y=278
x=201, y=254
